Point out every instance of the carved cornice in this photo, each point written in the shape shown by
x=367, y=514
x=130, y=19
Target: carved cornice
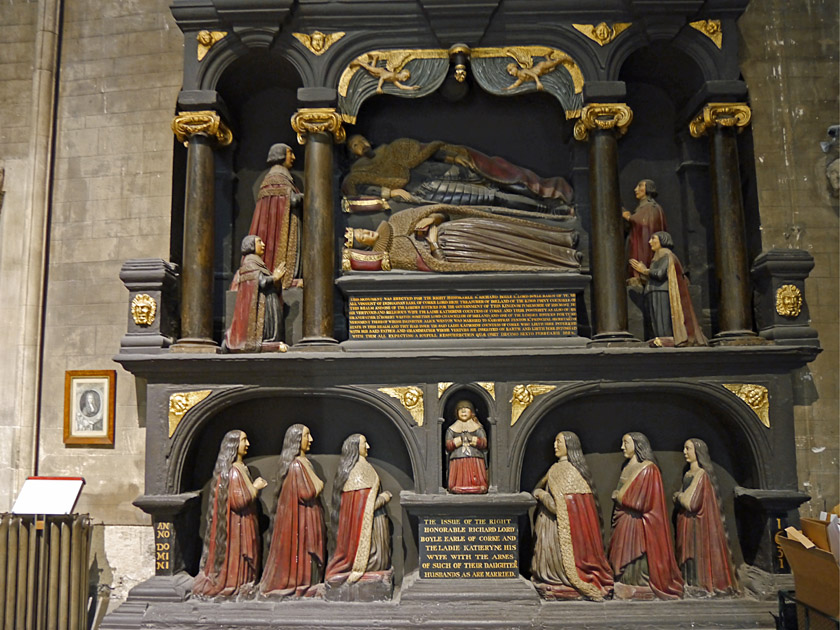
x=318, y=120
x=788, y=301
x=206, y=123
x=720, y=114
x=206, y=41
x=318, y=43
x=711, y=29
x=601, y=33
x=180, y=403
x=603, y=116
x=523, y=396
x=756, y=398
x=410, y=397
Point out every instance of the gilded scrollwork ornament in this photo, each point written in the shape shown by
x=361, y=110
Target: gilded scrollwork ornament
x=143, y=309
x=603, y=116
x=207, y=123
x=410, y=397
x=711, y=29
x=720, y=114
x=602, y=33
x=206, y=40
x=318, y=120
x=523, y=396
x=490, y=387
x=180, y=403
x=788, y=301
x=317, y=42
x=756, y=397
x=442, y=387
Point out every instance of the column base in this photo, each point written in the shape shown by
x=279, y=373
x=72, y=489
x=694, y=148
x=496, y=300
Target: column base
x=618, y=339
x=316, y=343
x=195, y=344
x=738, y=338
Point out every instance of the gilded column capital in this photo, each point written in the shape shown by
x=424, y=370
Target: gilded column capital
x=206, y=123
x=318, y=120
x=722, y=115
x=603, y=116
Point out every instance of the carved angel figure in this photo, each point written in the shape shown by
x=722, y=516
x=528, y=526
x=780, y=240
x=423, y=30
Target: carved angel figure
x=393, y=72
x=525, y=70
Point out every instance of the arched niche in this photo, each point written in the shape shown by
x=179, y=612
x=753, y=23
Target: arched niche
x=668, y=414
x=332, y=416
x=484, y=410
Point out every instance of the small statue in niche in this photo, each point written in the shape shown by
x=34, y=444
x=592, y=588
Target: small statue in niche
x=257, y=324
x=274, y=220
x=457, y=239
x=702, y=545
x=359, y=520
x=641, y=553
x=295, y=562
x=667, y=301
x=230, y=557
x=647, y=219
x=436, y=172
x=466, y=444
x=569, y=560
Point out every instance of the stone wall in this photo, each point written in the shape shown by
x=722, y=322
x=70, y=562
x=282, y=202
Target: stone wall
x=789, y=59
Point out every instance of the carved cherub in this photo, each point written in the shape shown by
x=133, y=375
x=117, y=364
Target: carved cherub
x=393, y=72
x=525, y=70
x=318, y=42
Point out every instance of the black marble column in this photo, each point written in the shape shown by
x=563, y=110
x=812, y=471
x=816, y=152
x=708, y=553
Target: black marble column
x=602, y=124
x=317, y=128
x=721, y=121
x=202, y=131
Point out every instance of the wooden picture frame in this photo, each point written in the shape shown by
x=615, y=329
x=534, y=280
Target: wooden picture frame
x=89, y=406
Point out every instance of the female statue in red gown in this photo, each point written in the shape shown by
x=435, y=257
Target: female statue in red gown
x=702, y=546
x=357, y=515
x=641, y=553
x=295, y=562
x=230, y=558
x=569, y=560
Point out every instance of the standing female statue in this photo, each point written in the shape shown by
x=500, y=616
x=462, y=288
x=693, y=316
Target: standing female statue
x=667, y=300
x=357, y=515
x=295, y=562
x=569, y=560
x=702, y=546
x=230, y=558
x=641, y=554
x=466, y=443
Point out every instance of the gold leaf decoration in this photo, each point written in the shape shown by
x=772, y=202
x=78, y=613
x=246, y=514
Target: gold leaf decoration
x=711, y=29
x=442, y=387
x=317, y=42
x=601, y=33
x=180, y=403
x=788, y=301
x=756, y=397
x=490, y=387
x=411, y=398
x=143, y=309
x=206, y=41
x=523, y=396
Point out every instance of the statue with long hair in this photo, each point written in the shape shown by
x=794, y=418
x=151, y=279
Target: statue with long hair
x=466, y=445
x=358, y=518
x=703, y=551
x=295, y=562
x=230, y=558
x=641, y=553
x=569, y=560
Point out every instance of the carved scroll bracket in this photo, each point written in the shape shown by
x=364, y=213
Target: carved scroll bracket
x=756, y=398
x=410, y=397
x=603, y=116
x=207, y=123
x=601, y=33
x=180, y=403
x=720, y=114
x=711, y=29
x=318, y=120
x=523, y=396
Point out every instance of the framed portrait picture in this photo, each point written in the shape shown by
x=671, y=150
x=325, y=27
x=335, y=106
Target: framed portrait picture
x=89, y=404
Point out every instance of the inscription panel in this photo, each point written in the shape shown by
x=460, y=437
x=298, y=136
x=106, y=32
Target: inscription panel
x=452, y=548
x=470, y=316
x=163, y=548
